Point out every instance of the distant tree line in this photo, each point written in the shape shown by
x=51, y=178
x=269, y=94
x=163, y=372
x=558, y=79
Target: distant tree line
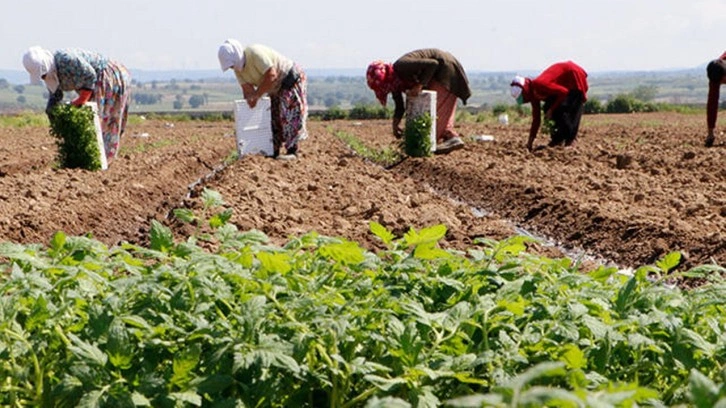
x=344, y=95
x=640, y=99
x=358, y=112
x=143, y=98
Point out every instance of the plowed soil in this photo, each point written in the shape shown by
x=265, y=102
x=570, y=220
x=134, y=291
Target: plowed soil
x=633, y=188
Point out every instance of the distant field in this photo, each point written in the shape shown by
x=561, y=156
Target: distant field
x=488, y=89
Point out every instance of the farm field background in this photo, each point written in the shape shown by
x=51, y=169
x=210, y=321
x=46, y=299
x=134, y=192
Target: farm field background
x=213, y=91
x=633, y=188
x=346, y=298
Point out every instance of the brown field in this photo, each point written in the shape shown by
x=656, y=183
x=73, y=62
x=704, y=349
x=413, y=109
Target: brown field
x=633, y=188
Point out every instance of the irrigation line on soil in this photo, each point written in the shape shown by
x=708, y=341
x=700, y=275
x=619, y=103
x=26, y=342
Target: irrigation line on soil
x=391, y=166
x=574, y=253
x=199, y=182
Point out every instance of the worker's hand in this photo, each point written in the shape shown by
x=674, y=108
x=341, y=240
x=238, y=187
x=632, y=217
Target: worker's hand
x=84, y=95
x=415, y=91
x=252, y=100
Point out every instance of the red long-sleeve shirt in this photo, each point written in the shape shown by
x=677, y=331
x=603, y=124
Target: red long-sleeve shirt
x=558, y=80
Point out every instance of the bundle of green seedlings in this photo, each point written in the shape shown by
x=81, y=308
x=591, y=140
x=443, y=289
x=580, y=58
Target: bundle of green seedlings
x=75, y=135
x=416, y=136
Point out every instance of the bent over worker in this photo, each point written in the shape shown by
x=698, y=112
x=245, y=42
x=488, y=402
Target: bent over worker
x=563, y=89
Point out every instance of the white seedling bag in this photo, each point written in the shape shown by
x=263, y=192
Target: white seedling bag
x=424, y=103
x=99, y=134
x=253, y=127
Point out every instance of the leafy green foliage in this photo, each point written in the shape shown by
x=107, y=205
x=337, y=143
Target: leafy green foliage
x=160, y=238
x=623, y=104
x=334, y=113
x=24, y=120
x=381, y=232
x=384, y=156
x=593, y=106
x=369, y=112
x=549, y=127
x=629, y=104
x=323, y=322
x=416, y=136
x=75, y=135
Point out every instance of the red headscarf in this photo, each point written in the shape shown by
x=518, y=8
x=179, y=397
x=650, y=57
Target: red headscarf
x=382, y=79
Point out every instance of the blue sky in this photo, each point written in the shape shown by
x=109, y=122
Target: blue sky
x=497, y=35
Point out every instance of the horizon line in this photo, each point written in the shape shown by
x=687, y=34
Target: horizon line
x=672, y=69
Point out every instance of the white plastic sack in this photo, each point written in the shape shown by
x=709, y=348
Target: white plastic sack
x=253, y=128
x=99, y=134
x=424, y=103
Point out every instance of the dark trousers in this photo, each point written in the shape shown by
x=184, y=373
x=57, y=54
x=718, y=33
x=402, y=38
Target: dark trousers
x=566, y=118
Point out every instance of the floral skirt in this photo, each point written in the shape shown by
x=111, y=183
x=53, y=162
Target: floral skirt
x=112, y=93
x=289, y=111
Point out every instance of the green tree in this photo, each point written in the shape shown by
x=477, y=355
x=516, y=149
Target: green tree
x=146, y=98
x=178, y=102
x=624, y=104
x=334, y=113
x=196, y=101
x=371, y=111
x=593, y=105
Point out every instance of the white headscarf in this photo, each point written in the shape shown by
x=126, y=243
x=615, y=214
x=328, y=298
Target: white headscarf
x=38, y=62
x=231, y=55
x=517, y=86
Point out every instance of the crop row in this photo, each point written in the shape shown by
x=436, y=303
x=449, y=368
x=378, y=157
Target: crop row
x=322, y=322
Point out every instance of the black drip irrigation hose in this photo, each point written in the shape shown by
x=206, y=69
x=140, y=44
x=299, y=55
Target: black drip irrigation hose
x=574, y=253
x=394, y=164
x=199, y=182
x=577, y=254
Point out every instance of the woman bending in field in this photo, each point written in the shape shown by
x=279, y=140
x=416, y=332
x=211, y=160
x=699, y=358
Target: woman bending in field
x=716, y=71
x=430, y=69
x=261, y=70
x=94, y=77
